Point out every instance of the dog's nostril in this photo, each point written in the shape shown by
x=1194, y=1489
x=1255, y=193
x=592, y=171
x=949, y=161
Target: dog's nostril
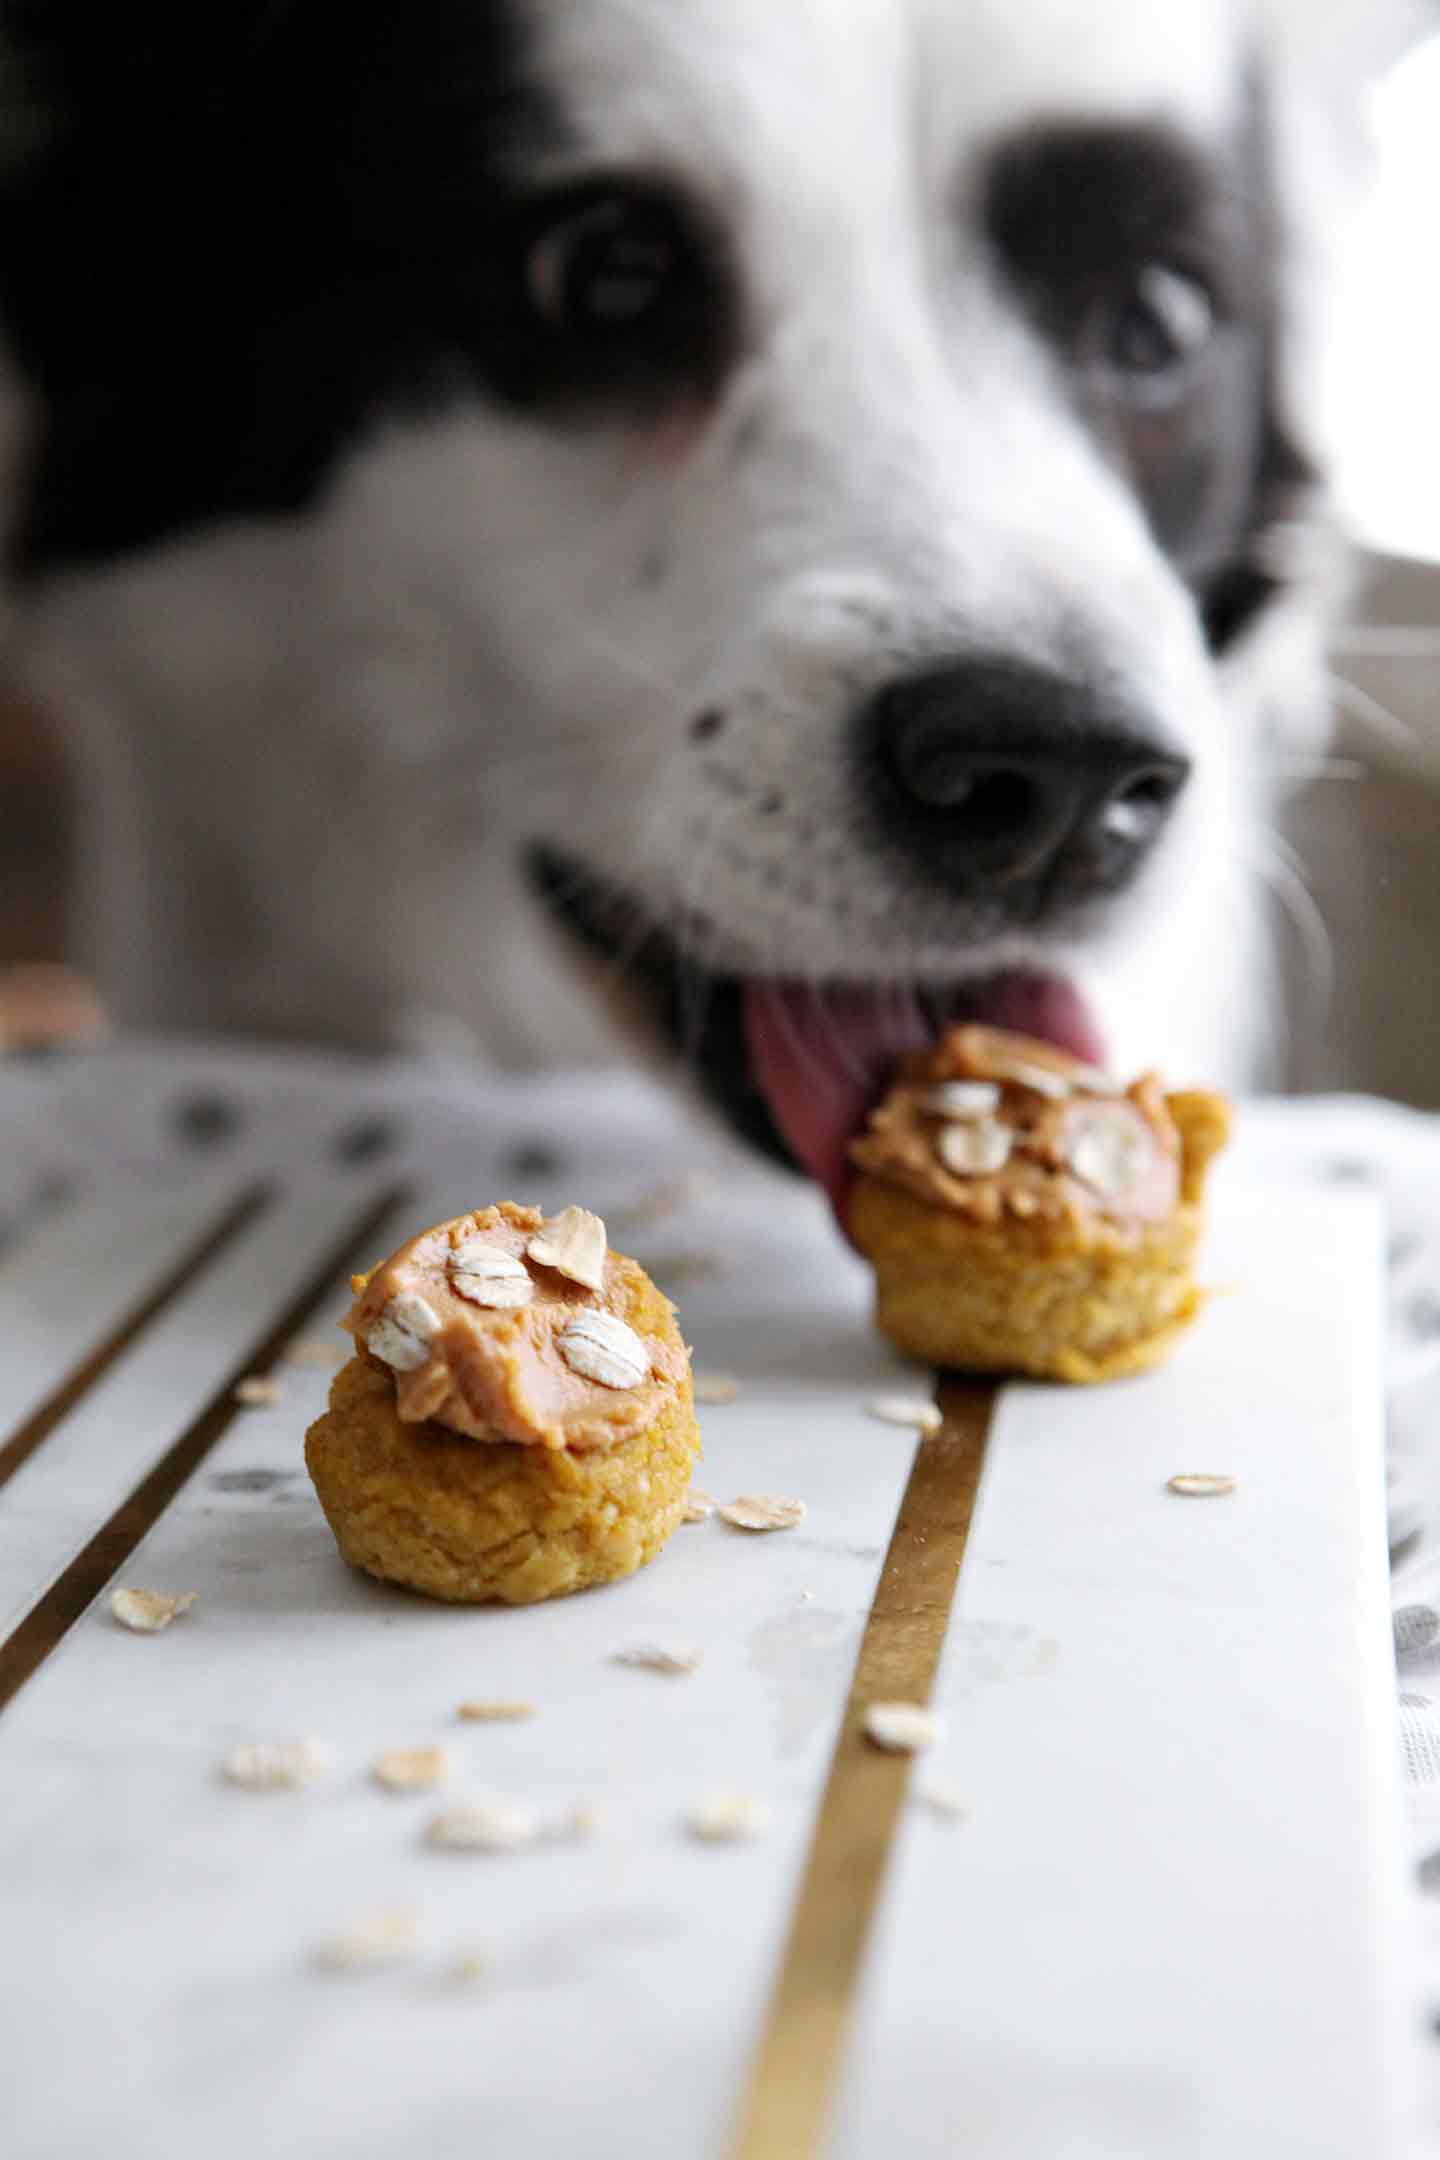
x=707, y=725
x=1156, y=789
x=989, y=805
x=1135, y=808
x=933, y=766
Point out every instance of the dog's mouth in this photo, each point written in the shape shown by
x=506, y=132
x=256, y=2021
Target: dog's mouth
x=821, y=1057
x=795, y=1065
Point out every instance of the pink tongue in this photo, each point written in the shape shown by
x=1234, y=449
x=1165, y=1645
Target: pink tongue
x=823, y=1057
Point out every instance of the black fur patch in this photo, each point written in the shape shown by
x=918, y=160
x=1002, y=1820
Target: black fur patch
x=246, y=229
x=1074, y=212
x=250, y=226
x=234, y=242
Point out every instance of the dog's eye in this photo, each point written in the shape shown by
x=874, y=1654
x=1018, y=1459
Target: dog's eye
x=1163, y=320
x=604, y=267
x=617, y=299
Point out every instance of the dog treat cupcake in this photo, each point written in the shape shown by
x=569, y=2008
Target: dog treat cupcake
x=517, y=1421
x=1026, y=1214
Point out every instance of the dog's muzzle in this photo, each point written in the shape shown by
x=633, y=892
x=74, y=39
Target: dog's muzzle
x=1012, y=786
x=1026, y=799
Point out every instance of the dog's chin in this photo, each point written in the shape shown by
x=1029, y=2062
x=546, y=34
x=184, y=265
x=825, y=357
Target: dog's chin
x=794, y=1064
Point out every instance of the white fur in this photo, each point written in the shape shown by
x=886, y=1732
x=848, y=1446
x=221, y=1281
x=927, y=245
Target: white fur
x=331, y=732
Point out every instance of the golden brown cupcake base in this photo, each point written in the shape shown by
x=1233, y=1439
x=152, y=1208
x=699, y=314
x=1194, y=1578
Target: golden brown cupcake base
x=1021, y=1297
x=463, y=1514
x=1068, y=1298
x=476, y=1522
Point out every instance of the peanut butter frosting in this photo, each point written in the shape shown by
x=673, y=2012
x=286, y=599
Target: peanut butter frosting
x=989, y=1123
x=485, y=1336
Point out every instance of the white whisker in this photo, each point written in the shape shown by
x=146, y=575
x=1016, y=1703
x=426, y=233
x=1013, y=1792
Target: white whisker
x=1276, y=864
x=1299, y=767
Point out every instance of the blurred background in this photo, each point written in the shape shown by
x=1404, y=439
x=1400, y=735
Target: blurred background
x=1359, y=926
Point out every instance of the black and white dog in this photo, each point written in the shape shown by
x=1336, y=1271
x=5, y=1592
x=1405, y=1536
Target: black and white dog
x=806, y=498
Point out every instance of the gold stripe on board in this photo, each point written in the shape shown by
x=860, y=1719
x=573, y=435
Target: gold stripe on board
x=48, y=1622
x=96, y=1362
x=788, y=2104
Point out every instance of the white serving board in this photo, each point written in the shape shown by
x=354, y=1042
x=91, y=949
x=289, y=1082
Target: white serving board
x=1168, y=1927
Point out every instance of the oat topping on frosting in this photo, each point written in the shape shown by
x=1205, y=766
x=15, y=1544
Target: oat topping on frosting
x=401, y=1333
x=502, y=1325
x=573, y=1242
x=600, y=1347
x=972, y=1148
x=961, y=1100
x=990, y=1123
x=488, y=1275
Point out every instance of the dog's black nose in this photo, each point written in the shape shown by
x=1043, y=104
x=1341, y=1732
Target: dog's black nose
x=1000, y=777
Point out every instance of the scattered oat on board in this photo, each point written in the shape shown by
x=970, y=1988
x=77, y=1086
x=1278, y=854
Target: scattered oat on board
x=716, y=1387
x=727, y=1818
x=258, y=1392
x=901, y=1728
x=484, y=1826
x=472, y=1967
x=699, y=1506
x=911, y=1410
x=763, y=1511
x=315, y=1351
x=494, y=1713
x=275, y=1765
x=381, y=1938
x=146, y=1612
x=411, y=1769
x=659, y=1657
x=1200, y=1484
x=574, y=1826
x=942, y=1798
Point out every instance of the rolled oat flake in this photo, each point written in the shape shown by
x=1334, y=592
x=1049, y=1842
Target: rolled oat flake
x=484, y=1826
x=974, y=1150
x=599, y=1347
x=728, y=1818
x=764, y=1511
x=913, y=1410
x=379, y=1938
x=901, y=1728
x=486, y=1274
x=402, y=1335
x=574, y=1244
x=147, y=1612
x=961, y=1099
x=1110, y=1148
